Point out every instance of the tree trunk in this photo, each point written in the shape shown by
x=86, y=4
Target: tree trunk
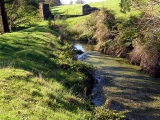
x=5, y=24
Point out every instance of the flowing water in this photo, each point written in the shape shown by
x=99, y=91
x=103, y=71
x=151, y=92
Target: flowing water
x=124, y=85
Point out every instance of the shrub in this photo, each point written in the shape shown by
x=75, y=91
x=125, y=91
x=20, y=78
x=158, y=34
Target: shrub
x=98, y=26
x=108, y=18
x=104, y=113
x=127, y=37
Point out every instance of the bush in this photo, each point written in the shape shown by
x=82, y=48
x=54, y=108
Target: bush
x=98, y=26
x=104, y=113
x=127, y=37
x=108, y=18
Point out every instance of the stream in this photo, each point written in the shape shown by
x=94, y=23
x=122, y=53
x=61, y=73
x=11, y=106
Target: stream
x=124, y=85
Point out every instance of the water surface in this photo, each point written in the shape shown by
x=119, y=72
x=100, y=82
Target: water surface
x=125, y=85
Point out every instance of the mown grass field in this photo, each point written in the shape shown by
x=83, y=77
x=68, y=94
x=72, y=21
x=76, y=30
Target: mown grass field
x=77, y=8
x=33, y=84
x=112, y=5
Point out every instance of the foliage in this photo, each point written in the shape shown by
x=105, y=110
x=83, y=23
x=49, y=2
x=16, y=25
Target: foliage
x=97, y=28
x=128, y=31
x=107, y=17
x=53, y=25
x=23, y=16
x=149, y=21
x=140, y=4
x=127, y=37
x=21, y=13
x=103, y=113
x=125, y=5
x=79, y=2
x=53, y=2
x=34, y=3
x=124, y=27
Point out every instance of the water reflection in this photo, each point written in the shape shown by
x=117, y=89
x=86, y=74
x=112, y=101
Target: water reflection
x=79, y=47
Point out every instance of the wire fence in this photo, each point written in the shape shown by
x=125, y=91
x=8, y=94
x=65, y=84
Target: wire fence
x=83, y=10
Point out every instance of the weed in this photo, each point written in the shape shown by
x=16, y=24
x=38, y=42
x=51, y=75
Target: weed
x=104, y=113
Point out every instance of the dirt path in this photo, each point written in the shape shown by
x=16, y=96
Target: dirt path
x=126, y=87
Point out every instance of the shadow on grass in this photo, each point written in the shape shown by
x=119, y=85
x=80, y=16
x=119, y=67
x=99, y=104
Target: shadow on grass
x=53, y=102
x=70, y=104
x=40, y=29
x=56, y=12
x=37, y=50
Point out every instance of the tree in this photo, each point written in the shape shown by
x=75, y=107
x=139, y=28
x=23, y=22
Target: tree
x=20, y=12
x=53, y=2
x=125, y=5
x=5, y=24
x=17, y=12
x=79, y=2
x=71, y=2
x=149, y=22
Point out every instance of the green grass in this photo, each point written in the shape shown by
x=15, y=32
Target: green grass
x=71, y=22
x=75, y=9
x=112, y=5
x=109, y=4
x=33, y=84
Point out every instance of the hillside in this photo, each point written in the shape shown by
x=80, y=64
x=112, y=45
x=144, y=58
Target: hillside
x=35, y=84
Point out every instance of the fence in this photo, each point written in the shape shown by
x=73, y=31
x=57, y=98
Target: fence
x=46, y=13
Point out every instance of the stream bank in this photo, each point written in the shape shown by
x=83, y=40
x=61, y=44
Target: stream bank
x=125, y=86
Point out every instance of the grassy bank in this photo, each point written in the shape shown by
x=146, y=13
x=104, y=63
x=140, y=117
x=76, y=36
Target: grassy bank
x=129, y=35
x=34, y=80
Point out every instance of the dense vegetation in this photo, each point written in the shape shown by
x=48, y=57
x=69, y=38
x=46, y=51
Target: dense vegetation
x=18, y=12
x=39, y=75
x=134, y=34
